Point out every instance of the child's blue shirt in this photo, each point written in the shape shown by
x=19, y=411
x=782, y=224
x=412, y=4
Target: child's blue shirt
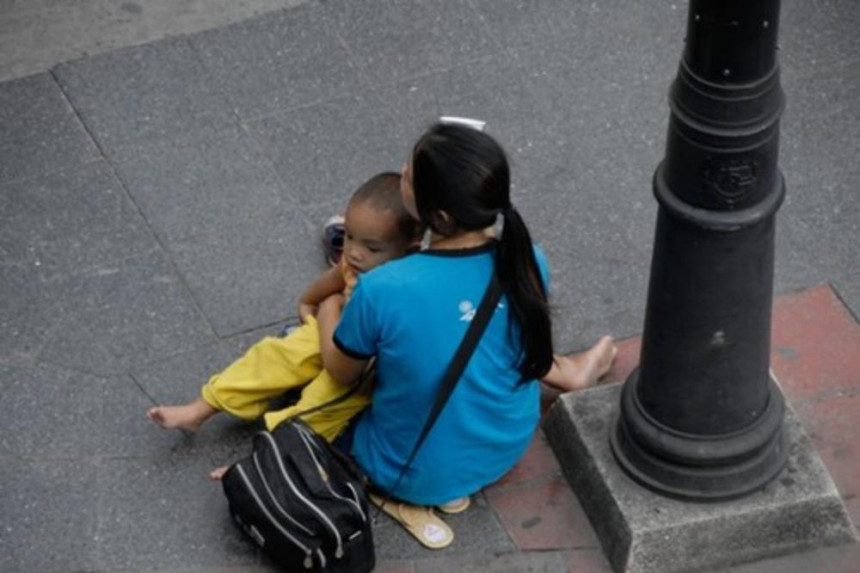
x=412, y=314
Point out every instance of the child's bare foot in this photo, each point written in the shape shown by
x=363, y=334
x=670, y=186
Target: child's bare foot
x=218, y=473
x=585, y=369
x=188, y=417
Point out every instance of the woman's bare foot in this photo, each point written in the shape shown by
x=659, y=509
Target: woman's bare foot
x=218, y=473
x=585, y=369
x=188, y=417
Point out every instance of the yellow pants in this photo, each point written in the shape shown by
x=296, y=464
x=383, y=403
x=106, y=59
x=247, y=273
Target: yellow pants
x=274, y=365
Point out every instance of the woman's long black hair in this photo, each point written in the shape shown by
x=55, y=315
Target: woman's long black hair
x=464, y=172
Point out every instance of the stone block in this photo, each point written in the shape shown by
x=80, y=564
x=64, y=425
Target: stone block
x=643, y=532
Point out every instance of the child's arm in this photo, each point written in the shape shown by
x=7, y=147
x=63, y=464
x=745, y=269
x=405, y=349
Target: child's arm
x=328, y=283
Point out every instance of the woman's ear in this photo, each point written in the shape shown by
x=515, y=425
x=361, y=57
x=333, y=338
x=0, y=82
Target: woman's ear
x=443, y=223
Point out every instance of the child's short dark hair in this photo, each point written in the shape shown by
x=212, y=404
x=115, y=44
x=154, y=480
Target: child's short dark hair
x=382, y=191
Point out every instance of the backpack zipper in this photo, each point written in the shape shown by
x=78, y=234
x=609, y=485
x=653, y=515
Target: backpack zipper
x=283, y=512
x=311, y=446
x=339, y=551
x=309, y=562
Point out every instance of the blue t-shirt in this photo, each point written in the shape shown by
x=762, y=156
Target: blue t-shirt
x=412, y=314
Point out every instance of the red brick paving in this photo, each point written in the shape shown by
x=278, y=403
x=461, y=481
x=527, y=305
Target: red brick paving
x=538, y=462
x=816, y=345
x=543, y=515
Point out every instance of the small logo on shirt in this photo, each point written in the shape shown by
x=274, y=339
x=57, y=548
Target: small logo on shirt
x=468, y=310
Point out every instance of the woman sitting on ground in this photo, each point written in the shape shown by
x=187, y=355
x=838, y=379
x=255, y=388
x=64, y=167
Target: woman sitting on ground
x=412, y=313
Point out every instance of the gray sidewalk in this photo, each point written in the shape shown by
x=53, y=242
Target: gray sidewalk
x=160, y=209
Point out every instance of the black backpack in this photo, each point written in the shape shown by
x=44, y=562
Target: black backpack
x=302, y=501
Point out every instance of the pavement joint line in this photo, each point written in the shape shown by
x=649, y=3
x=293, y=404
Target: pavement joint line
x=163, y=247
x=843, y=302
x=142, y=389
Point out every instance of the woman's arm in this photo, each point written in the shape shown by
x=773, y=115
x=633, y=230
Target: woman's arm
x=342, y=368
x=328, y=283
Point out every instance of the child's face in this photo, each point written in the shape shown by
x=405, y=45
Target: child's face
x=372, y=237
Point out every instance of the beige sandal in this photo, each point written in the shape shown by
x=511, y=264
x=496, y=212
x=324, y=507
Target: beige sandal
x=458, y=505
x=420, y=521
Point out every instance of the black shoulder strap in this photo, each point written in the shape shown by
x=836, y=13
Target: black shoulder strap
x=457, y=365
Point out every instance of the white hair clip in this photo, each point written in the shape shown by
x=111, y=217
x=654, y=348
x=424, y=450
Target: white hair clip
x=464, y=121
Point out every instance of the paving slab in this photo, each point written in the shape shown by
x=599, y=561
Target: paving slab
x=814, y=340
x=138, y=309
x=39, y=130
x=75, y=220
x=544, y=515
x=160, y=513
x=515, y=25
x=588, y=288
x=36, y=35
x=471, y=89
x=285, y=60
x=249, y=278
x=216, y=180
x=28, y=312
x=394, y=39
x=815, y=37
x=43, y=502
x=325, y=151
x=56, y=423
x=71, y=343
x=144, y=92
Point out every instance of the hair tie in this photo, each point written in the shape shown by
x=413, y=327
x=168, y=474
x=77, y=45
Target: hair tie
x=476, y=124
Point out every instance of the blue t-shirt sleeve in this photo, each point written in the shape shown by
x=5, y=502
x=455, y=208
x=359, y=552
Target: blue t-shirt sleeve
x=357, y=333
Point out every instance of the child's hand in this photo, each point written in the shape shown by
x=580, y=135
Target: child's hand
x=306, y=310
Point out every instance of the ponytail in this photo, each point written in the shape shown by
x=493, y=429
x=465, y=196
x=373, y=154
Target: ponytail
x=520, y=278
x=465, y=173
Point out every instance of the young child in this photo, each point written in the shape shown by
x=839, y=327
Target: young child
x=377, y=229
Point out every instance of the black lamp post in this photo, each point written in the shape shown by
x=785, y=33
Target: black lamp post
x=701, y=418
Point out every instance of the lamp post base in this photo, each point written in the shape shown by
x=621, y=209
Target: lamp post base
x=695, y=467
x=641, y=531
